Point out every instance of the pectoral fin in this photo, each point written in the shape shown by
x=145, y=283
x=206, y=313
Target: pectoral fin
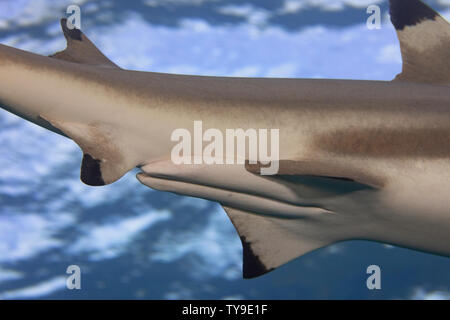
x=268, y=242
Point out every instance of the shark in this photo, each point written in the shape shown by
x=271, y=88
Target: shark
x=357, y=159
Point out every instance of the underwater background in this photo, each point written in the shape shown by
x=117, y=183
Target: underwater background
x=132, y=242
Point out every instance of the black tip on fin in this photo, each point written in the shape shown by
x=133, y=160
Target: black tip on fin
x=73, y=34
x=409, y=13
x=253, y=267
x=80, y=49
x=91, y=173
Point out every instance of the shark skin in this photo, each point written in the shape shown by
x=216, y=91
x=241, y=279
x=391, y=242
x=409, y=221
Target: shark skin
x=358, y=159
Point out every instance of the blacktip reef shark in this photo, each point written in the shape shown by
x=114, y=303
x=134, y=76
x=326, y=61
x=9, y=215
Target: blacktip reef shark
x=357, y=159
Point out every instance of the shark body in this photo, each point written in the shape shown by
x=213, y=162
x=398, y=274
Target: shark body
x=357, y=160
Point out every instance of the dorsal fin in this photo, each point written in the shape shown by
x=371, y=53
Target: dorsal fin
x=424, y=38
x=80, y=49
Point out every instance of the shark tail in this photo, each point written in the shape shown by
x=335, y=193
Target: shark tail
x=424, y=37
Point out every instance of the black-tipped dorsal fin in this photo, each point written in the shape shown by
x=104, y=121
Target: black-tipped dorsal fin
x=268, y=242
x=80, y=49
x=424, y=38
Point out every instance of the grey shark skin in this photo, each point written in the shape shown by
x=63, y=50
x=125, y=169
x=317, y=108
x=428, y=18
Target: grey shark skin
x=358, y=159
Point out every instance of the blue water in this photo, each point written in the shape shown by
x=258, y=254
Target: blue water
x=135, y=243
